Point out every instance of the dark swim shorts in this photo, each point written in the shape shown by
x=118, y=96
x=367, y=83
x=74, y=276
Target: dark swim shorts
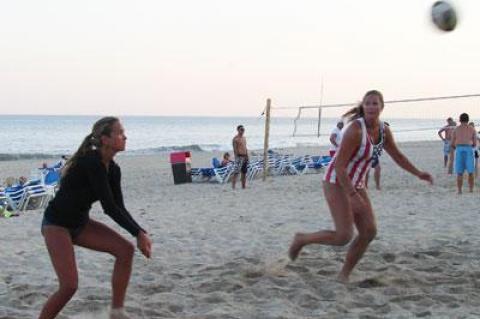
x=241, y=164
x=73, y=231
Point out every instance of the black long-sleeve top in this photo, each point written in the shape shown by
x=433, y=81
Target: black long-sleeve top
x=85, y=183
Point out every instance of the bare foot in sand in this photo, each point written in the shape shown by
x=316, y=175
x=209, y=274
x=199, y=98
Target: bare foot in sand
x=295, y=247
x=118, y=314
x=342, y=278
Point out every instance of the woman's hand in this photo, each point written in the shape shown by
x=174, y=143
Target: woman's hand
x=144, y=244
x=425, y=177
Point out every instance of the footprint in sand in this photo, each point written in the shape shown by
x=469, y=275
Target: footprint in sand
x=388, y=257
x=371, y=283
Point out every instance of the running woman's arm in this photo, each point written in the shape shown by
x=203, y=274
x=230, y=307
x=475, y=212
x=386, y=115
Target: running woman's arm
x=98, y=178
x=391, y=148
x=348, y=146
x=440, y=133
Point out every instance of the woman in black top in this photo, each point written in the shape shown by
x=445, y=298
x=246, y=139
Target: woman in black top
x=91, y=175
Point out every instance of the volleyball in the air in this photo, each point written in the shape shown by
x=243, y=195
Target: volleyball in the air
x=444, y=15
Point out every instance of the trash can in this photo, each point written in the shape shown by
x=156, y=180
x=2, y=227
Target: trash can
x=181, y=167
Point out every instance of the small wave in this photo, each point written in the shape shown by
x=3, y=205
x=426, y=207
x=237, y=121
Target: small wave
x=173, y=148
x=23, y=156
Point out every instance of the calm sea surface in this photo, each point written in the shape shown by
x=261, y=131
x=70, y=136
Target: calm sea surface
x=36, y=136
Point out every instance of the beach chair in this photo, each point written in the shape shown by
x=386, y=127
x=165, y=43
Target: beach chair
x=32, y=195
x=315, y=164
x=295, y=166
x=212, y=174
x=3, y=198
x=254, y=169
x=4, y=212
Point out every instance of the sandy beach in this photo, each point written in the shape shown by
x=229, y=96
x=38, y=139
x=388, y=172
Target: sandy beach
x=222, y=254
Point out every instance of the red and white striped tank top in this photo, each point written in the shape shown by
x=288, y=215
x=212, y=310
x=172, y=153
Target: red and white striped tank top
x=359, y=163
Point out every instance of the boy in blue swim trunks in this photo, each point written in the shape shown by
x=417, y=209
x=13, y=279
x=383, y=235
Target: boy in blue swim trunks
x=445, y=134
x=463, y=139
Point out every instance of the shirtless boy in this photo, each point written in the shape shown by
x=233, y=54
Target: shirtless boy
x=464, y=138
x=447, y=138
x=241, y=157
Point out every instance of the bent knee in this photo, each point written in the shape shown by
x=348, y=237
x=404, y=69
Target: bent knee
x=344, y=238
x=369, y=234
x=68, y=289
x=125, y=251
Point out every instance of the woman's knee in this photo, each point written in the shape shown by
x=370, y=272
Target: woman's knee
x=125, y=251
x=344, y=237
x=368, y=234
x=68, y=289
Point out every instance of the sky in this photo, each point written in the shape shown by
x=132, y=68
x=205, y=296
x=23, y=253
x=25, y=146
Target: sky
x=225, y=58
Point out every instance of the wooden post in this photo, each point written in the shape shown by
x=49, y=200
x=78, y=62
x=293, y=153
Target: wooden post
x=265, y=144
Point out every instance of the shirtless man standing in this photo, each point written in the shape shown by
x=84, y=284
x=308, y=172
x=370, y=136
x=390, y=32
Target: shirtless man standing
x=463, y=138
x=447, y=150
x=241, y=157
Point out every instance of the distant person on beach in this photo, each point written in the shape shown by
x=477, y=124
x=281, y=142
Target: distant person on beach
x=91, y=175
x=464, y=140
x=241, y=157
x=22, y=180
x=448, y=154
x=9, y=181
x=475, y=150
x=377, y=171
x=349, y=204
x=336, y=138
x=226, y=160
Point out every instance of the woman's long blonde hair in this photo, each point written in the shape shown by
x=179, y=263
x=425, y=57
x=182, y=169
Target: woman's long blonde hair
x=357, y=112
x=102, y=127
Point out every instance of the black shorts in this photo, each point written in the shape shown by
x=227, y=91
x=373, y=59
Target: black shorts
x=73, y=231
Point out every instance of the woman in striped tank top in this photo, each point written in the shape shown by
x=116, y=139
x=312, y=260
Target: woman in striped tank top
x=362, y=144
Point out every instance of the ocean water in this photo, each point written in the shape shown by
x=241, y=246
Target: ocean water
x=40, y=136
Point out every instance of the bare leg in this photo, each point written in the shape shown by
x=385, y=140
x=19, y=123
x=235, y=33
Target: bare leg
x=243, y=178
x=99, y=237
x=376, y=175
x=234, y=180
x=367, y=230
x=476, y=167
x=60, y=248
x=451, y=161
x=342, y=215
x=471, y=182
x=459, y=183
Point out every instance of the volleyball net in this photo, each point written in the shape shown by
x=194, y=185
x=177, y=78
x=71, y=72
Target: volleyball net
x=405, y=115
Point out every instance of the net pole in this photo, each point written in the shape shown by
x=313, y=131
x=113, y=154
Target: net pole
x=319, y=121
x=267, y=135
x=296, y=120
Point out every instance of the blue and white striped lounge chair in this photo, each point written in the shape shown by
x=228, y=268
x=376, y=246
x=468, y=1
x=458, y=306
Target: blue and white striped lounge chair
x=3, y=198
x=212, y=174
x=32, y=195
